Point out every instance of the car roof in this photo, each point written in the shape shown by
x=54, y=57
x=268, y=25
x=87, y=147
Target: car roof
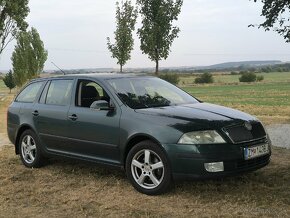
x=100, y=76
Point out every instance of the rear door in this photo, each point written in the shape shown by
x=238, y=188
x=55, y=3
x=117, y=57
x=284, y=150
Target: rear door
x=51, y=114
x=20, y=111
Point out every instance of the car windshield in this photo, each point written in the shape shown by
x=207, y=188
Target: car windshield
x=149, y=92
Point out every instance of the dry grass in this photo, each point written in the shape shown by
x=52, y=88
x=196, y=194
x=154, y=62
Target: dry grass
x=5, y=100
x=67, y=188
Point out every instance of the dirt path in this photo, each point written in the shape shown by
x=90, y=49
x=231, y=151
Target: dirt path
x=279, y=134
x=4, y=140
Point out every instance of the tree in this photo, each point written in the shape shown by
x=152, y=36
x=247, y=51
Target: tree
x=276, y=15
x=126, y=16
x=157, y=32
x=12, y=20
x=204, y=78
x=29, y=56
x=9, y=81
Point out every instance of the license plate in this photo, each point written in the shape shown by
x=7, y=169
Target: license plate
x=256, y=151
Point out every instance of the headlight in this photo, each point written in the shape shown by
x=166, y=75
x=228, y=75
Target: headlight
x=201, y=137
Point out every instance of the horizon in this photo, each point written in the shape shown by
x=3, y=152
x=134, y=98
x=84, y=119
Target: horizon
x=161, y=68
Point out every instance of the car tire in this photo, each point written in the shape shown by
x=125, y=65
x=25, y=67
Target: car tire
x=29, y=150
x=148, y=168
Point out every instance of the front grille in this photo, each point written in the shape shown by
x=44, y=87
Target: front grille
x=239, y=133
x=247, y=164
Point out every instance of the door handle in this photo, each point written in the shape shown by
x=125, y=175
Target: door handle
x=35, y=113
x=73, y=117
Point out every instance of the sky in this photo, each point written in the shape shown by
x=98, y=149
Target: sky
x=74, y=32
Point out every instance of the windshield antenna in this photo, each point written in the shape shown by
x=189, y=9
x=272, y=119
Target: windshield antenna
x=58, y=68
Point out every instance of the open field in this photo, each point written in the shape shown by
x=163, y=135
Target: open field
x=188, y=80
x=66, y=188
x=268, y=101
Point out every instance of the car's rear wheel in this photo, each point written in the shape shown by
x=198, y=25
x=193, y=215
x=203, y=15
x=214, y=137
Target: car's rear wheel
x=30, y=152
x=148, y=169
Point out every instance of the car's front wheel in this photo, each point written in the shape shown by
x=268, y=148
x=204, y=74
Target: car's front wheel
x=29, y=147
x=148, y=168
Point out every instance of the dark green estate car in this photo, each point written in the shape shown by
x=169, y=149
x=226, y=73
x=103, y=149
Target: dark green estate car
x=152, y=129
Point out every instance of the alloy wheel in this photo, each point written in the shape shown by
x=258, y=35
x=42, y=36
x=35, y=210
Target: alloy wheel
x=147, y=169
x=28, y=149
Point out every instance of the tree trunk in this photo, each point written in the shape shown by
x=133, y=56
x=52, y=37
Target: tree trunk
x=157, y=67
x=121, y=68
x=10, y=91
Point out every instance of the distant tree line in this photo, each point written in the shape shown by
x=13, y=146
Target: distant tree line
x=235, y=70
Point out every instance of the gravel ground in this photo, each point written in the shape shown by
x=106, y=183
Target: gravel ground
x=279, y=135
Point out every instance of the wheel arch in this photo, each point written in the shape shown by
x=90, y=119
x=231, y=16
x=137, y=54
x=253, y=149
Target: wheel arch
x=20, y=130
x=135, y=139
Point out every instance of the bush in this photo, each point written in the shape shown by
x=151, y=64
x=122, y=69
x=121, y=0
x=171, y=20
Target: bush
x=204, y=78
x=170, y=77
x=234, y=73
x=248, y=77
x=260, y=78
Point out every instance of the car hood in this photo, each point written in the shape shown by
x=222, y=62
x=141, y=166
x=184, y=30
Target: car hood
x=200, y=115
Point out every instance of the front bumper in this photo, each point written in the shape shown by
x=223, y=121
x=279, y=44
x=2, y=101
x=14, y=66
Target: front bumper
x=187, y=161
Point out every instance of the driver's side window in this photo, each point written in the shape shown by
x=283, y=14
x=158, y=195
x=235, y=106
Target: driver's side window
x=88, y=92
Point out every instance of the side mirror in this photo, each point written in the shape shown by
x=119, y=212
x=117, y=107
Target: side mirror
x=102, y=105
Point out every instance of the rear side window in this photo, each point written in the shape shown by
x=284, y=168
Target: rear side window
x=59, y=92
x=29, y=93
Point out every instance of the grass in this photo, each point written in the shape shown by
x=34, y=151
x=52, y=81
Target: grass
x=268, y=101
x=68, y=188
x=220, y=78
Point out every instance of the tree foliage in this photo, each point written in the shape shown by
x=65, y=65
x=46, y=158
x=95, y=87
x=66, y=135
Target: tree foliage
x=248, y=77
x=9, y=80
x=126, y=16
x=173, y=78
x=204, y=78
x=277, y=16
x=12, y=20
x=29, y=56
x=157, y=32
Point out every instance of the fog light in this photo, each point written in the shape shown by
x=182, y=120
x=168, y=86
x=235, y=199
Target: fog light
x=214, y=167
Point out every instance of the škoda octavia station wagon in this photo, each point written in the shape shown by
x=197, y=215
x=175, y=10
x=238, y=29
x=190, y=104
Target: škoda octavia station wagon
x=153, y=130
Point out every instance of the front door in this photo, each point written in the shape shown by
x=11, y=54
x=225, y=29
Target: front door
x=93, y=133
